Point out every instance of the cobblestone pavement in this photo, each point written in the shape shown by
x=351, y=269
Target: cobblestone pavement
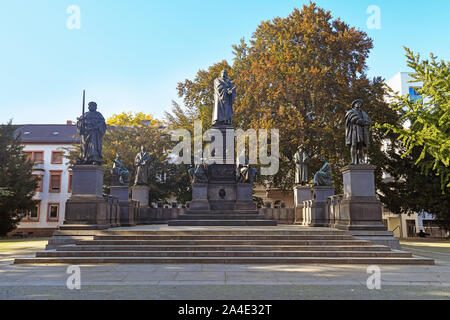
x=196, y=281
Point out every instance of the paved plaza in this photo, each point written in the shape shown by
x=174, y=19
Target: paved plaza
x=209, y=282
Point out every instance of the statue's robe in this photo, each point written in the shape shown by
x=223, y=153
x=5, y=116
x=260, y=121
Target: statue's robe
x=223, y=101
x=141, y=163
x=91, y=127
x=356, y=134
x=301, y=159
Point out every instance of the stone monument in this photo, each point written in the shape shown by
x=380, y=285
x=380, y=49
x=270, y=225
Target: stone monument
x=302, y=191
x=87, y=205
x=222, y=190
x=120, y=189
x=360, y=209
x=140, y=190
x=315, y=211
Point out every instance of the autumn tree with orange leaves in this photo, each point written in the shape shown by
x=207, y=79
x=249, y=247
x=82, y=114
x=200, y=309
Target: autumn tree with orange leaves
x=298, y=74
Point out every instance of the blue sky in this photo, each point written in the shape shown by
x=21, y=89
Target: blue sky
x=130, y=54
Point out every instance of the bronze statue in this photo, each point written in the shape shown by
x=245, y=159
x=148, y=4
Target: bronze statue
x=224, y=95
x=323, y=176
x=142, y=162
x=357, y=125
x=91, y=127
x=198, y=174
x=302, y=160
x=245, y=173
x=119, y=172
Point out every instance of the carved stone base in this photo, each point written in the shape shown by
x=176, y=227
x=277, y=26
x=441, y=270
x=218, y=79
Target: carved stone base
x=318, y=216
x=199, y=197
x=140, y=193
x=301, y=194
x=360, y=209
x=244, y=197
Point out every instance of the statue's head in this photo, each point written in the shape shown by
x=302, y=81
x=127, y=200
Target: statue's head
x=118, y=156
x=224, y=74
x=92, y=106
x=143, y=149
x=357, y=104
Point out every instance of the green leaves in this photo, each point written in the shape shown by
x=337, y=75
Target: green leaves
x=17, y=184
x=429, y=116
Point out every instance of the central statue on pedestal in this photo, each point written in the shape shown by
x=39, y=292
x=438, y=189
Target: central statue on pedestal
x=224, y=95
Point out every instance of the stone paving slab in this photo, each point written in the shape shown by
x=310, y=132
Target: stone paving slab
x=210, y=291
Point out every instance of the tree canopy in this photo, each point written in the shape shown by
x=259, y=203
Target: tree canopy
x=297, y=74
x=425, y=122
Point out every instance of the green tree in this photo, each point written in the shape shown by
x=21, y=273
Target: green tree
x=407, y=191
x=126, y=133
x=17, y=184
x=429, y=116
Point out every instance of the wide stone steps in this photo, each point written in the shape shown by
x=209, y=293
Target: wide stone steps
x=221, y=248
x=222, y=242
x=226, y=260
x=280, y=245
x=282, y=254
x=227, y=237
x=221, y=217
x=217, y=222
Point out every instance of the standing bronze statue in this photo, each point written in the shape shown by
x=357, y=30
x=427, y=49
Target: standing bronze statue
x=224, y=95
x=142, y=162
x=301, y=159
x=357, y=125
x=91, y=126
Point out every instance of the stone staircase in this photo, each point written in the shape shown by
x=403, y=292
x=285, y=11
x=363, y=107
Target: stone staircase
x=268, y=245
x=222, y=218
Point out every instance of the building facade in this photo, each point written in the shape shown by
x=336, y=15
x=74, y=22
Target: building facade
x=48, y=146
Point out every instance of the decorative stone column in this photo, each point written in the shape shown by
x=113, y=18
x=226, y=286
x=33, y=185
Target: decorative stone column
x=244, y=197
x=360, y=209
x=318, y=211
x=87, y=208
x=199, y=197
x=127, y=211
x=301, y=193
x=140, y=193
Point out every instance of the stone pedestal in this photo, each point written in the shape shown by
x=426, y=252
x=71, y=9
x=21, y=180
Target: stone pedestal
x=301, y=194
x=87, y=206
x=315, y=211
x=360, y=209
x=244, y=197
x=127, y=212
x=199, y=197
x=140, y=193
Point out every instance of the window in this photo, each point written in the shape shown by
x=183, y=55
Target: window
x=35, y=156
x=40, y=184
x=55, y=181
x=53, y=211
x=413, y=94
x=70, y=182
x=57, y=157
x=31, y=215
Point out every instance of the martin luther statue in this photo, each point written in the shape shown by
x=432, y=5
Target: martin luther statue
x=224, y=95
x=357, y=125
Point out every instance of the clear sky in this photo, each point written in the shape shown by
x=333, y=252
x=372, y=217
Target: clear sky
x=130, y=54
